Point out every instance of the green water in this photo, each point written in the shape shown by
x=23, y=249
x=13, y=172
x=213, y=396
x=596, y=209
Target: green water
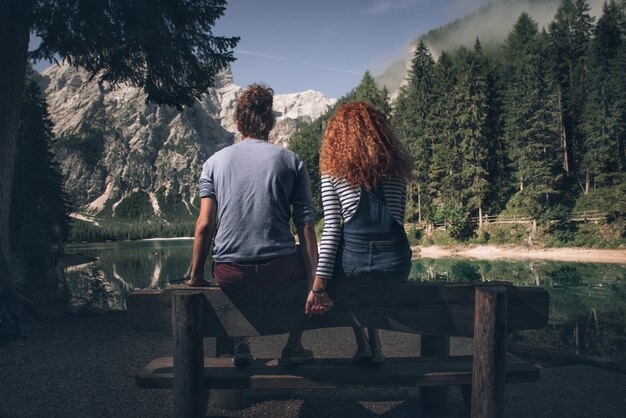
x=587, y=306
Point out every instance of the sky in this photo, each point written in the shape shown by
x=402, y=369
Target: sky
x=327, y=45
x=324, y=45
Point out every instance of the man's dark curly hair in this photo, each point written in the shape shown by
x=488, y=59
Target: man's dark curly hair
x=253, y=114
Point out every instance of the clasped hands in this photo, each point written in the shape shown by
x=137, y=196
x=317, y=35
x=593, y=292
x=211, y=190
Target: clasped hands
x=318, y=302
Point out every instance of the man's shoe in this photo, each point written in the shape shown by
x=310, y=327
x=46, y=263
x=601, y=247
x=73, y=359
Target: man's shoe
x=362, y=356
x=298, y=355
x=378, y=357
x=242, y=356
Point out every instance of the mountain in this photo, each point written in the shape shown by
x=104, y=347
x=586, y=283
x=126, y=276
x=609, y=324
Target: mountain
x=491, y=24
x=123, y=158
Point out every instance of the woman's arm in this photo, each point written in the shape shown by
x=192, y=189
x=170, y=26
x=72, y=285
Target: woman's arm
x=205, y=227
x=318, y=301
x=331, y=233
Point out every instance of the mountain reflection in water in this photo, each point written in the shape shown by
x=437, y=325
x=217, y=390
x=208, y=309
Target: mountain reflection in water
x=587, y=305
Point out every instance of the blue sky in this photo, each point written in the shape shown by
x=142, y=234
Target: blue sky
x=326, y=45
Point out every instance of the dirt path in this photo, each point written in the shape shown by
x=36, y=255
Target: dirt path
x=488, y=252
x=83, y=367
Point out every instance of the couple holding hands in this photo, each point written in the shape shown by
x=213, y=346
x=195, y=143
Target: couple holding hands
x=254, y=188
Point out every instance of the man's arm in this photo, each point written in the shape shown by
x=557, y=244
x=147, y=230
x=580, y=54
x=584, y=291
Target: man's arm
x=205, y=227
x=308, y=245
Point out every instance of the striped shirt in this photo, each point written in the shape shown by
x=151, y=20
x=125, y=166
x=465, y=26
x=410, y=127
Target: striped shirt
x=340, y=202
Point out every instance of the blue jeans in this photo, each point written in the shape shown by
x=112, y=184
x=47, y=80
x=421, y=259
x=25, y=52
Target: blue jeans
x=373, y=261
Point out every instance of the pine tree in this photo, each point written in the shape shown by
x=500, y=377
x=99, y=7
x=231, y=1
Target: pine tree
x=570, y=35
x=386, y=102
x=306, y=142
x=472, y=118
x=39, y=207
x=367, y=91
x=499, y=189
x=411, y=120
x=444, y=180
x=605, y=111
x=530, y=115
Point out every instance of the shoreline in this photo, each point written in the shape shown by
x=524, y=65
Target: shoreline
x=491, y=252
x=479, y=252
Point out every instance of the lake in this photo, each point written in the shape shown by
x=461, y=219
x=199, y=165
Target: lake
x=587, y=306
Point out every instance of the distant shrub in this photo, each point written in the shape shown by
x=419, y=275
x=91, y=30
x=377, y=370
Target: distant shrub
x=483, y=236
x=457, y=221
x=505, y=234
x=415, y=236
x=609, y=200
x=427, y=241
x=135, y=206
x=560, y=213
x=442, y=238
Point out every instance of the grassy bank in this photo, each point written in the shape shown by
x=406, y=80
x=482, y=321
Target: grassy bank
x=564, y=234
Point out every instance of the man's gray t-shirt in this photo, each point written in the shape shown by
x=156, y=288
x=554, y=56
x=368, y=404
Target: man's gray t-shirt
x=256, y=185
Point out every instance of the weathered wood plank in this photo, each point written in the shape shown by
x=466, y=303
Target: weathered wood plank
x=434, y=398
x=219, y=373
x=421, y=308
x=230, y=399
x=489, y=353
x=189, y=396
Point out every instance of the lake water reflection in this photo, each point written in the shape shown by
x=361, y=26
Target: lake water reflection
x=587, y=309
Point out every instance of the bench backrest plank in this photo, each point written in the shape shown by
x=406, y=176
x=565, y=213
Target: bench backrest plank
x=420, y=308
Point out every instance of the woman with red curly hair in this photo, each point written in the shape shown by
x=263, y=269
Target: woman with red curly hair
x=364, y=175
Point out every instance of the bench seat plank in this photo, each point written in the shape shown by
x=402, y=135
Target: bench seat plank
x=219, y=373
x=420, y=308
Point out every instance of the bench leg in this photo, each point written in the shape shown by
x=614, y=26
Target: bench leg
x=490, y=317
x=188, y=340
x=434, y=398
x=466, y=392
x=230, y=399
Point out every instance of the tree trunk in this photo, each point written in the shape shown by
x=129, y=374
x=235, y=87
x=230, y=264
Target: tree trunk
x=419, y=204
x=480, y=217
x=621, y=151
x=587, y=181
x=15, y=21
x=563, y=133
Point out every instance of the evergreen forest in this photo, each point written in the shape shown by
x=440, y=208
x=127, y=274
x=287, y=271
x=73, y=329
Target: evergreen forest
x=533, y=129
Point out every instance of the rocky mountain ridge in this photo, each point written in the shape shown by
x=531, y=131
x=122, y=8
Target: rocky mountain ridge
x=124, y=158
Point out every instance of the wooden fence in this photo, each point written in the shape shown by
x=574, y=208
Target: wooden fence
x=576, y=216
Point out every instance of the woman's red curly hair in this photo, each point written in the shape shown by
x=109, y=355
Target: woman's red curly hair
x=360, y=147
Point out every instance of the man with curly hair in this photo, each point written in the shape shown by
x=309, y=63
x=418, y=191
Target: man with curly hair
x=255, y=188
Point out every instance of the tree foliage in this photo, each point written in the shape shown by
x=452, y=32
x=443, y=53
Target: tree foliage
x=520, y=124
x=516, y=129
x=39, y=215
x=604, y=117
x=167, y=47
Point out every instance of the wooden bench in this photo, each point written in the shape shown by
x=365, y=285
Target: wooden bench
x=486, y=311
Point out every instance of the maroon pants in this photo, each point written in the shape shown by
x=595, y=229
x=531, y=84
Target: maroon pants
x=252, y=276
